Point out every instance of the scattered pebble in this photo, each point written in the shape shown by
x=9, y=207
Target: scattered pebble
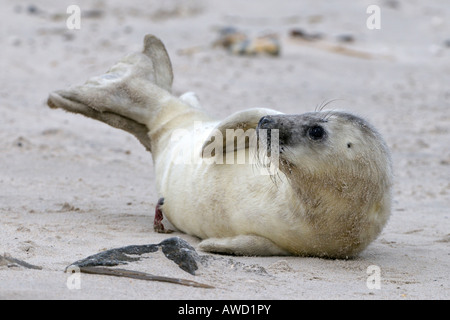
x=393, y=4
x=68, y=36
x=32, y=9
x=239, y=43
x=22, y=142
x=347, y=38
x=300, y=33
x=66, y=207
x=92, y=13
x=280, y=266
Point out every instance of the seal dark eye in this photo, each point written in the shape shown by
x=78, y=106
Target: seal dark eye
x=316, y=132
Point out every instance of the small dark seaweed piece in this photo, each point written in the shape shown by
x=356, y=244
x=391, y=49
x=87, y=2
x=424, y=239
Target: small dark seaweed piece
x=175, y=249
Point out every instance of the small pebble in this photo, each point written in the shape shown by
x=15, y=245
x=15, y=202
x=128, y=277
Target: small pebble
x=347, y=38
x=299, y=33
x=32, y=9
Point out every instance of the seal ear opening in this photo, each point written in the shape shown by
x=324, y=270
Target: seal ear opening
x=237, y=126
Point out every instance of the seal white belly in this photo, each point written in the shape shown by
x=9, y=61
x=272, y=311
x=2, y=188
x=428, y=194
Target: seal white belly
x=312, y=184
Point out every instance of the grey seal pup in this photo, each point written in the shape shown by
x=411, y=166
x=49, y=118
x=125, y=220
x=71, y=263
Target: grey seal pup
x=320, y=186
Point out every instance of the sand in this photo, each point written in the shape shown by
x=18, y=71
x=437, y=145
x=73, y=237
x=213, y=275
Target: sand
x=72, y=187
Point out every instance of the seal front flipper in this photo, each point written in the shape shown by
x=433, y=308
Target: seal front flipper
x=242, y=245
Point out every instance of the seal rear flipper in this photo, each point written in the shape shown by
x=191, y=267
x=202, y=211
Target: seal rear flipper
x=240, y=125
x=125, y=96
x=242, y=245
